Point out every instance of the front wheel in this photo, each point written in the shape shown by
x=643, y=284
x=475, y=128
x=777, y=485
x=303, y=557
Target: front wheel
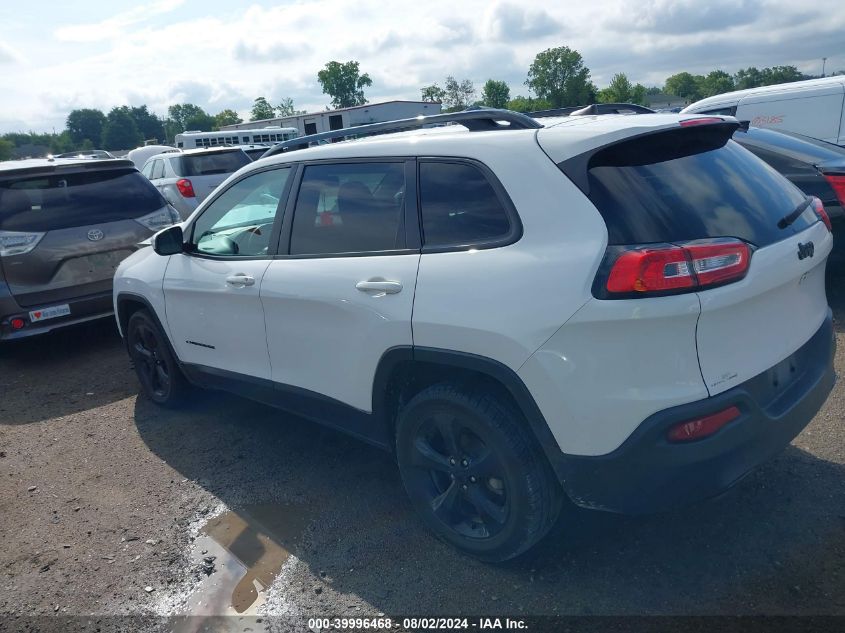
x=160, y=377
x=473, y=473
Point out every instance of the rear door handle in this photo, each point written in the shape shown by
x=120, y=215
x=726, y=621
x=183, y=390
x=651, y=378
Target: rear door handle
x=240, y=280
x=379, y=286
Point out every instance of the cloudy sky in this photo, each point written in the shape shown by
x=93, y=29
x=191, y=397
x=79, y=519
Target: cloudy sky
x=57, y=56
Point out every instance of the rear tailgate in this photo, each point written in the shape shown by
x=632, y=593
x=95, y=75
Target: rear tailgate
x=749, y=327
x=672, y=189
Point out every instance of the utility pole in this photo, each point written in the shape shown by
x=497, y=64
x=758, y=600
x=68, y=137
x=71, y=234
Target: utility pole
x=824, y=61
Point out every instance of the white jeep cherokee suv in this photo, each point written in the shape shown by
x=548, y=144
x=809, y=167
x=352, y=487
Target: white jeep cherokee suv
x=628, y=311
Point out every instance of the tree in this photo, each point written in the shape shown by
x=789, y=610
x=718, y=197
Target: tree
x=683, y=85
x=433, y=93
x=747, y=78
x=6, y=149
x=344, y=83
x=780, y=75
x=120, y=130
x=150, y=125
x=86, y=123
x=458, y=95
x=559, y=76
x=261, y=109
x=286, y=108
x=716, y=82
x=619, y=90
x=527, y=104
x=226, y=117
x=495, y=94
x=187, y=116
x=638, y=94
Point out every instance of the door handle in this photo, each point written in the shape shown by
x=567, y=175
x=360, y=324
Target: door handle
x=379, y=286
x=240, y=280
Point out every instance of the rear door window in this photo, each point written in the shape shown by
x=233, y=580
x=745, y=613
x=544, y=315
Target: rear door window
x=459, y=206
x=211, y=163
x=349, y=208
x=688, y=184
x=60, y=201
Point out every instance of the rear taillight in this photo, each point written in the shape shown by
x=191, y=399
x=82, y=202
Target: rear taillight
x=837, y=183
x=674, y=268
x=700, y=428
x=18, y=243
x=186, y=188
x=818, y=207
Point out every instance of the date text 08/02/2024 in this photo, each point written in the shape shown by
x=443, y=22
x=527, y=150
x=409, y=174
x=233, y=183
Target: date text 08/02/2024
x=431, y=624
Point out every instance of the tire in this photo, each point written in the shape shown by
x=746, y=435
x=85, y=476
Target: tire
x=158, y=372
x=474, y=473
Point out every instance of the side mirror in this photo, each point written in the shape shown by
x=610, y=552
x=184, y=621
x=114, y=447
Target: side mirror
x=169, y=241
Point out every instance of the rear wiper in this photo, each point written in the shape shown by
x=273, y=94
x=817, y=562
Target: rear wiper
x=786, y=220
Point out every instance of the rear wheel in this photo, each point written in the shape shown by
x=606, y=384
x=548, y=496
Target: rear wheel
x=474, y=474
x=159, y=375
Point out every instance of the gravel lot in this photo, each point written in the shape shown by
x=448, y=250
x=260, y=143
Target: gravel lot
x=101, y=494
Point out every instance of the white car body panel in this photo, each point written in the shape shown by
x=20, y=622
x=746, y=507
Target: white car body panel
x=325, y=335
x=212, y=322
x=611, y=366
x=142, y=274
x=549, y=269
x=751, y=325
x=815, y=108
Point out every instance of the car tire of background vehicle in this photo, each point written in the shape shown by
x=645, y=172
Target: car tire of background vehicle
x=159, y=374
x=474, y=473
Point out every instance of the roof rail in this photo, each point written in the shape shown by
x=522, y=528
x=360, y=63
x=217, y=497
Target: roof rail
x=475, y=120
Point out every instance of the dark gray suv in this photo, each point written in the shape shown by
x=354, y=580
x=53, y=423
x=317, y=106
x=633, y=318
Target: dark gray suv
x=65, y=225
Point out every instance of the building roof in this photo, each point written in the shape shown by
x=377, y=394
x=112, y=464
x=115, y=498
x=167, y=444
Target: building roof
x=260, y=122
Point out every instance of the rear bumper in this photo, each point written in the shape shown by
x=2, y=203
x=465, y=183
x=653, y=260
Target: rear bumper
x=649, y=474
x=82, y=309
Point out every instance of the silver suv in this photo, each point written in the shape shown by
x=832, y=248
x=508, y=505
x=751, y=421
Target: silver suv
x=65, y=225
x=186, y=178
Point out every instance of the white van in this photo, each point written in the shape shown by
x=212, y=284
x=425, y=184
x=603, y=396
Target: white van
x=813, y=107
x=139, y=155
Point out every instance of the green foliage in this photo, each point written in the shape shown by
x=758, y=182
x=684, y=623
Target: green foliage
x=286, y=108
x=261, y=109
x=751, y=77
x=120, y=130
x=560, y=76
x=495, y=94
x=714, y=83
x=653, y=90
x=433, y=93
x=683, y=85
x=86, y=123
x=149, y=124
x=527, y=104
x=621, y=90
x=458, y=94
x=344, y=83
x=187, y=116
x=6, y=149
x=226, y=117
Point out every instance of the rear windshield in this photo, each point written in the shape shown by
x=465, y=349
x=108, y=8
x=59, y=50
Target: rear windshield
x=210, y=164
x=60, y=201
x=691, y=183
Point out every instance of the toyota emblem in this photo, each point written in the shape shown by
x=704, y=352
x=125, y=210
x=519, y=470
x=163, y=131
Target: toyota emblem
x=95, y=235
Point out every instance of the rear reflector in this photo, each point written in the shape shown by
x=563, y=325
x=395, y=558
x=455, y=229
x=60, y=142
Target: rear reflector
x=818, y=207
x=837, y=182
x=186, y=188
x=701, y=121
x=689, y=265
x=17, y=323
x=702, y=427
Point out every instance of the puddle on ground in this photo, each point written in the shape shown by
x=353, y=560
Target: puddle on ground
x=249, y=546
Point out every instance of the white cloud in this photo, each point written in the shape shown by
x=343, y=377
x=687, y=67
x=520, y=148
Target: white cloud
x=223, y=56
